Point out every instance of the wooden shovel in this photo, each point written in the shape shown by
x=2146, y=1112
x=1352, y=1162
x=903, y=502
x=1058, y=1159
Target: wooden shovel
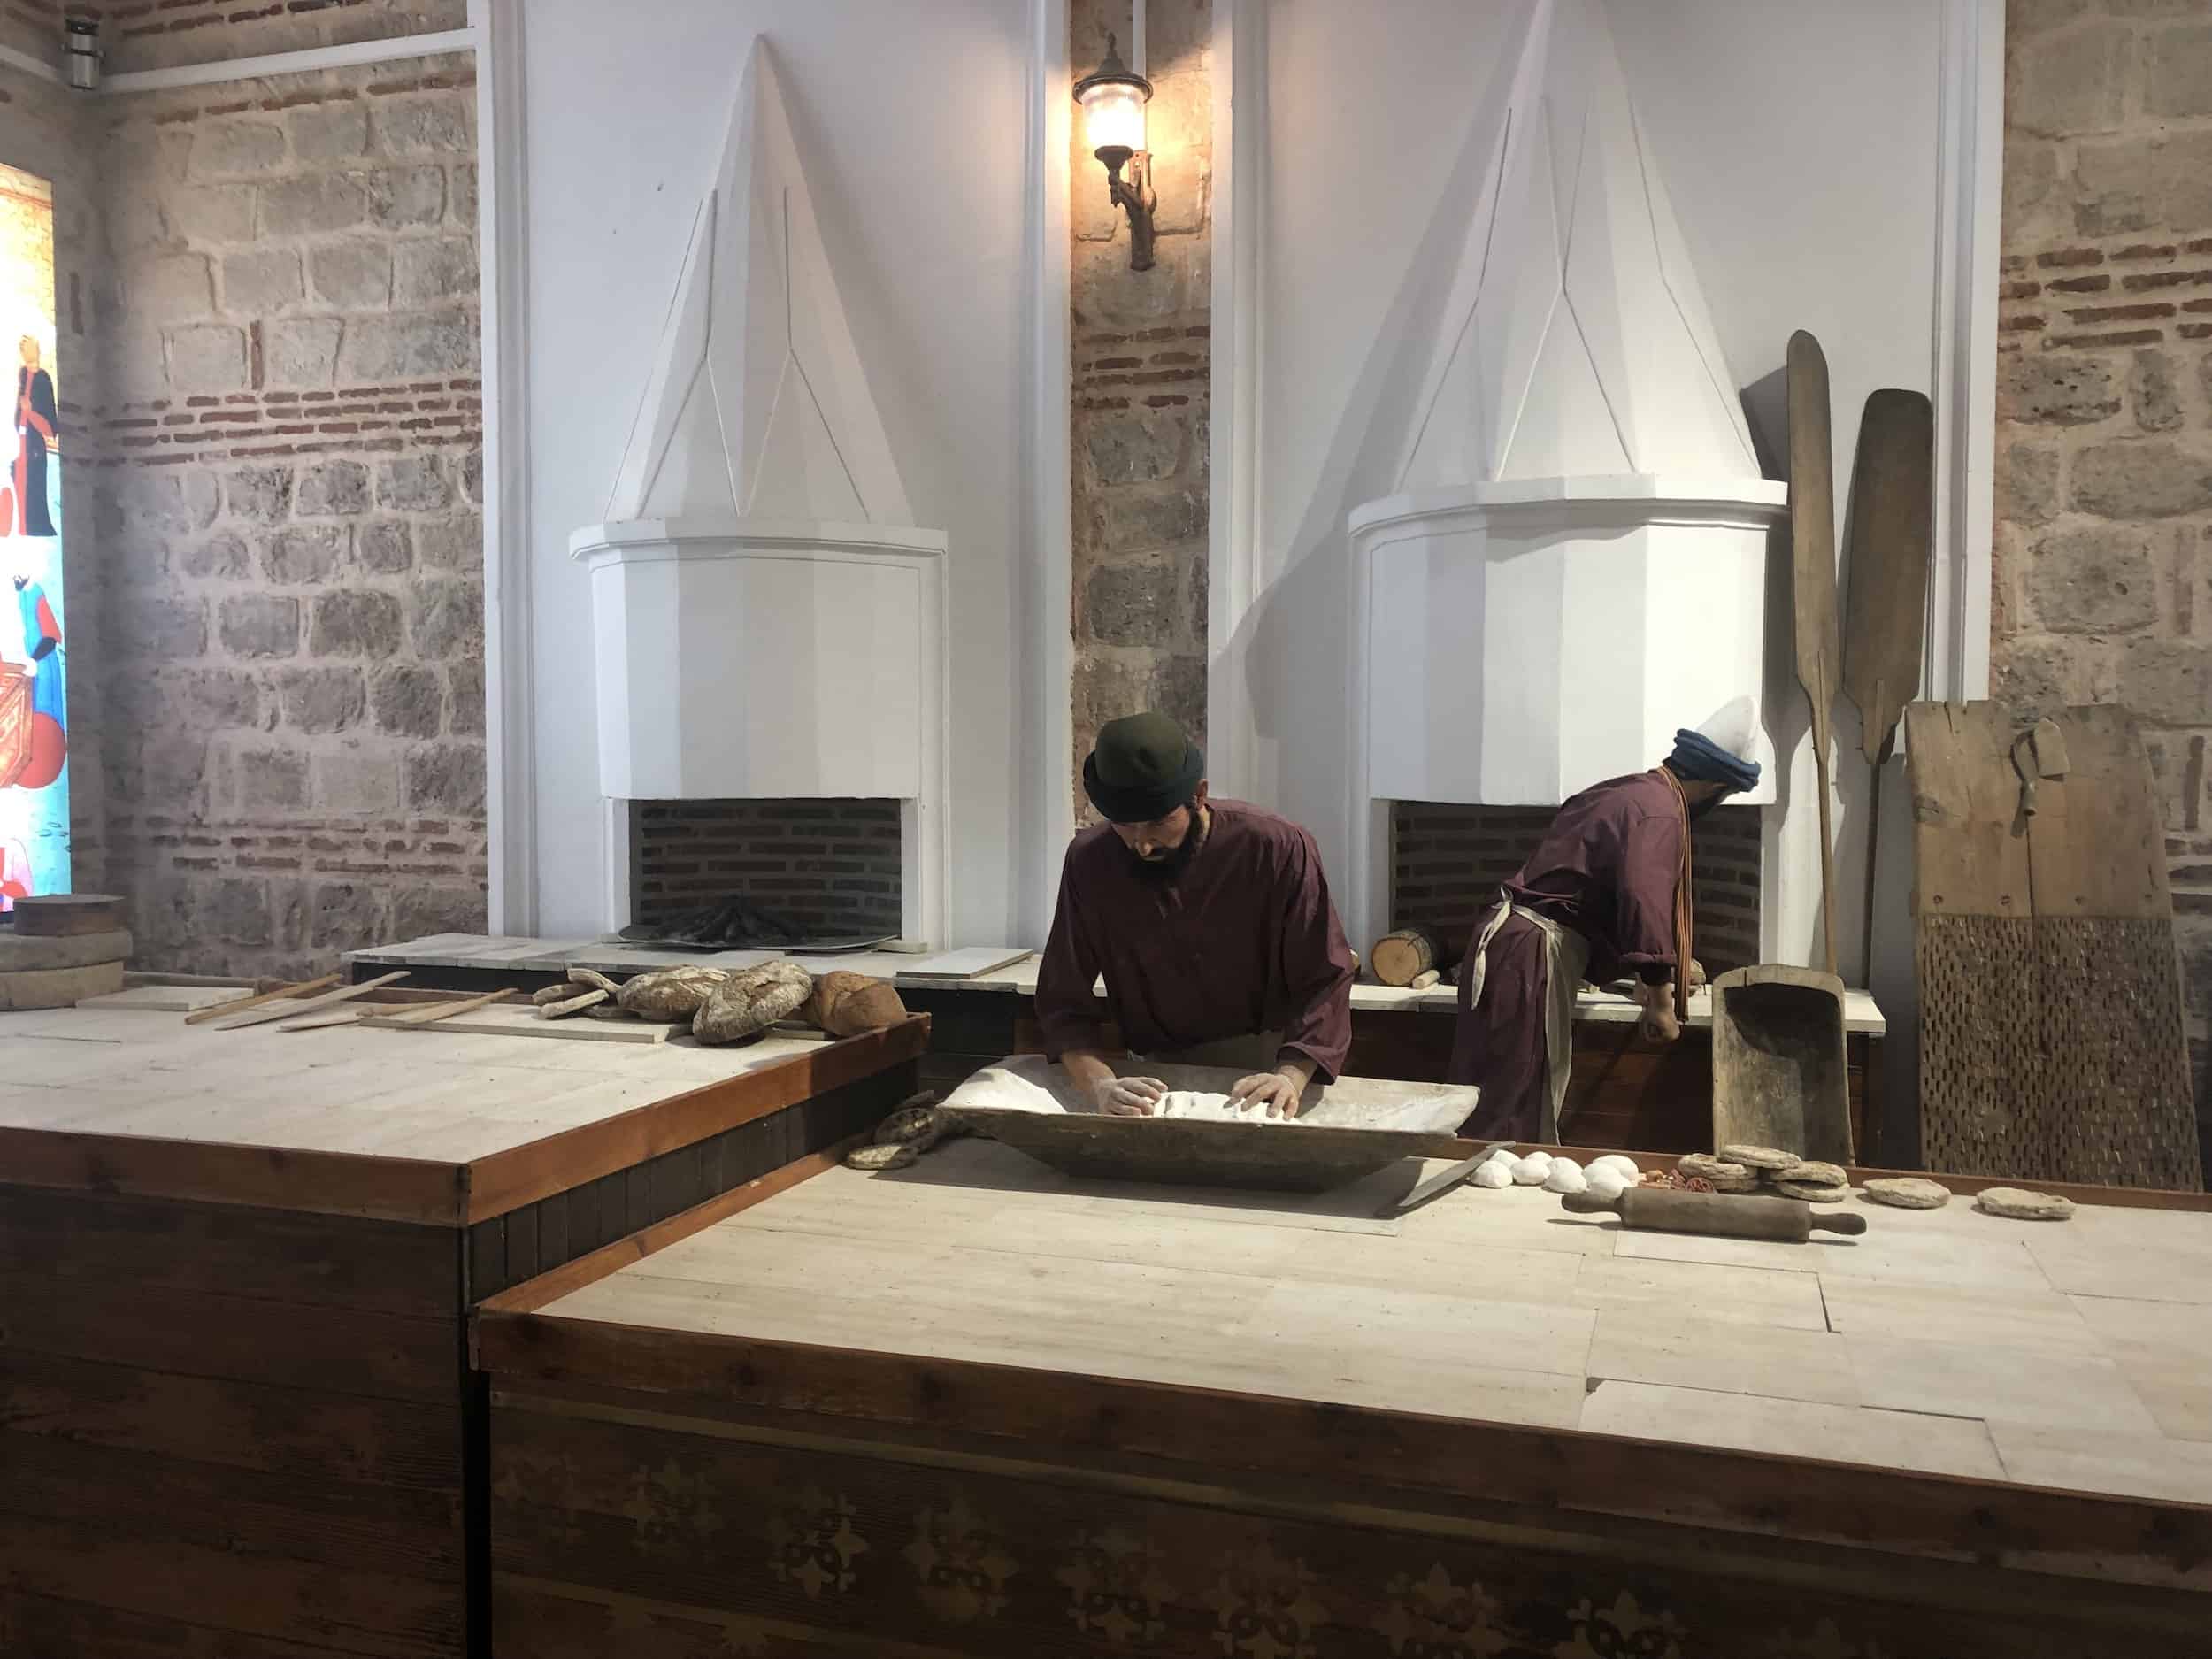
x=1892, y=534
x=1813, y=580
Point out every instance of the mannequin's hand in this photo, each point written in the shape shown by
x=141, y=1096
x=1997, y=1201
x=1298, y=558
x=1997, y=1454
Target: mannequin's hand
x=1127, y=1097
x=1277, y=1092
x=1658, y=1023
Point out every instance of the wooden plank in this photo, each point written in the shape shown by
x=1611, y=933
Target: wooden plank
x=1969, y=841
x=1891, y=530
x=568, y=1030
x=287, y=992
x=409, y=1534
x=346, y=1350
x=2097, y=843
x=152, y=1575
x=576, y=1499
x=433, y=1012
x=317, y=1183
x=412, y=1445
x=171, y=999
x=272, y=1254
x=1240, y=1435
x=590, y=1268
x=968, y=964
x=40, y=1627
x=285, y=1008
x=506, y=1180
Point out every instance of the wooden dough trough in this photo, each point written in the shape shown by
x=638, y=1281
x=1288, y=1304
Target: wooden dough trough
x=1345, y=1131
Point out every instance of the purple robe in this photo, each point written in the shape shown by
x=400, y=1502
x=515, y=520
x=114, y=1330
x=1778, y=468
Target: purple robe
x=1607, y=868
x=1243, y=941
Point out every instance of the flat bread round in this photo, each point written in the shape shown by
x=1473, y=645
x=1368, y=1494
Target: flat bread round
x=2018, y=1203
x=1907, y=1192
x=1725, y=1175
x=1814, y=1192
x=1759, y=1158
x=880, y=1157
x=1813, y=1173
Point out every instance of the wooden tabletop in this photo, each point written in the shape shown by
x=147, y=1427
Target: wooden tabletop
x=2074, y=1355
x=416, y=1125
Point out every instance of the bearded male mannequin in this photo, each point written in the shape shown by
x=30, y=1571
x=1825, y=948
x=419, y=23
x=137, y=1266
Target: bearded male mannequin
x=1210, y=923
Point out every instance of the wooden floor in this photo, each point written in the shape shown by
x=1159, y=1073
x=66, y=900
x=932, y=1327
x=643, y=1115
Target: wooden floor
x=426, y=1094
x=2076, y=1356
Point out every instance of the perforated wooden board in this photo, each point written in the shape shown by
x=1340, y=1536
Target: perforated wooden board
x=2053, y=1045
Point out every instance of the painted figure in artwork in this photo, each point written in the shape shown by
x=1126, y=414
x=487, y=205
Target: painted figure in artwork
x=15, y=874
x=37, y=424
x=49, y=738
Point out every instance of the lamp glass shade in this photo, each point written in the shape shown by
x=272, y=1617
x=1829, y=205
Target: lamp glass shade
x=1113, y=116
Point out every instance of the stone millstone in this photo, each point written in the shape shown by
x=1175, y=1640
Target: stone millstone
x=1725, y=1174
x=1811, y=1172
x=1814, y=1192
x=1907, y=1192
x=2018, y=1203
x=895, y=1155
x=71, y=950
x=748, y=1002
x=1760, y=1157
x=671, y=993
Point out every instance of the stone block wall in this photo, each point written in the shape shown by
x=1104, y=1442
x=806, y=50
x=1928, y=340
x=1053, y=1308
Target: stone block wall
x=1142, y=362
x=165, y=34
x=288, y=512
x=2103, y=563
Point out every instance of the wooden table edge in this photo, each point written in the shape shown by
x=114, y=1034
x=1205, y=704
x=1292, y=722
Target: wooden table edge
x=1570, y=1471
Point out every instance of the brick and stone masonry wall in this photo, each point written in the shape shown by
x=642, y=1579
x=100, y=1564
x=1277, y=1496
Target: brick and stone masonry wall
x=288, y=508
x=164, y=34
x=1448, y=863
x=831, y=865
x=2103, y=568
x=1142, y=360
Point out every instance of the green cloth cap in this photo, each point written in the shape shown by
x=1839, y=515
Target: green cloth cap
x=1143, y=768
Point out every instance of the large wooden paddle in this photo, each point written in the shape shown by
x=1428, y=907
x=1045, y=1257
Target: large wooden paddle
x=1891, y=534
x=1813, y=576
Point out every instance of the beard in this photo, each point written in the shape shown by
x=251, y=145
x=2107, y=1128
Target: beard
x=1703, y=808
x=1165, y=868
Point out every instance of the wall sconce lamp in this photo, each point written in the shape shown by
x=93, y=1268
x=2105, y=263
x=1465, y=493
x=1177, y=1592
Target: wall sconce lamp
x=83, y=40
x=1112, y=102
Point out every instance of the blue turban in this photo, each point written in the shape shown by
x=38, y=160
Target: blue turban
x=1698, y=759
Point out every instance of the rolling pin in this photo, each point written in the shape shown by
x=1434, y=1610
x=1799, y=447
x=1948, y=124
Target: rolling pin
x=1715, y=1215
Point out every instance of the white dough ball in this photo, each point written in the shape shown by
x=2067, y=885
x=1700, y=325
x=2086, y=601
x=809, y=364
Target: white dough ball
x=1505, y=1155
x=1620, y=1164
x=1531, y=1172
x=1606, y=1182
x=1492, y=1174
x=1566, y=1177
x=1561, y=1162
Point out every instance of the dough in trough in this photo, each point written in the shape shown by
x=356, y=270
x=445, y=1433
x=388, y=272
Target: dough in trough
x=1907, y=1192
x=2018, y=1203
